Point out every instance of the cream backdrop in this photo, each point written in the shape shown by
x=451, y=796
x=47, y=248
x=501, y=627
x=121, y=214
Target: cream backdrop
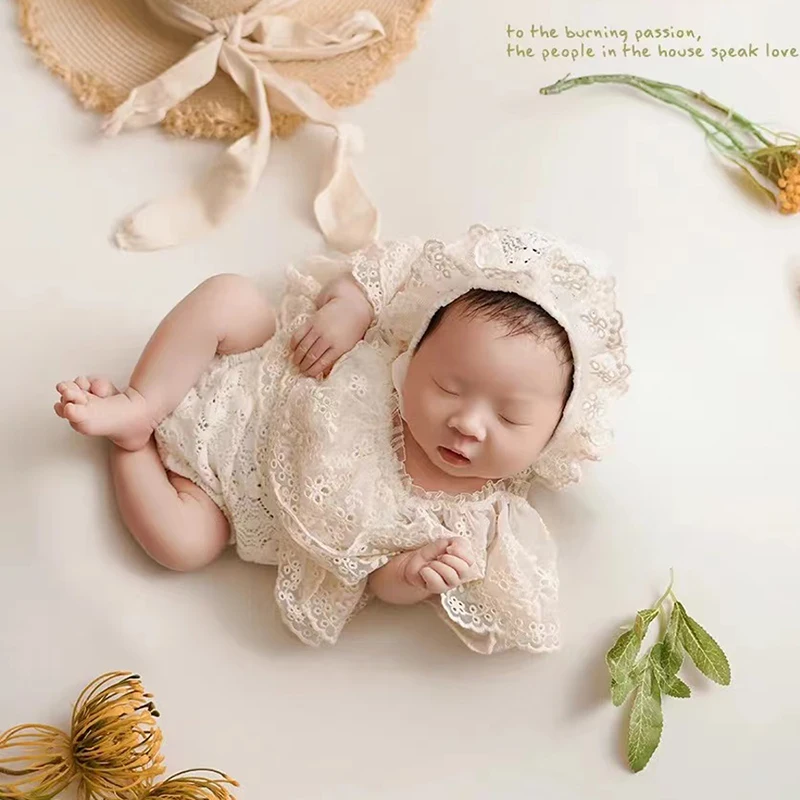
x=703, y=476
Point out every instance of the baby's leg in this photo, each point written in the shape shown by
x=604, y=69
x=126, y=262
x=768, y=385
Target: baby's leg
x=225, y=314
x=176, y=522
x=172, y=519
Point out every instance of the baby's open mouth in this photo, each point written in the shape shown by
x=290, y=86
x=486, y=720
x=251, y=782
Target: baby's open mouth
x=453, y=457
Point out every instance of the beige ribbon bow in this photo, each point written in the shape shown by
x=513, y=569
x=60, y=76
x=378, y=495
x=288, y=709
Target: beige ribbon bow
x=243, y=45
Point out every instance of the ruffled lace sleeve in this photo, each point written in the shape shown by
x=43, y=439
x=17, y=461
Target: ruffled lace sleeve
x=514, y=605
x=314, y=602
x=383, y=269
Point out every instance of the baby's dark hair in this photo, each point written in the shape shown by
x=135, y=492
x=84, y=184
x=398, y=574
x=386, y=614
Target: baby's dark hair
x=518, y=314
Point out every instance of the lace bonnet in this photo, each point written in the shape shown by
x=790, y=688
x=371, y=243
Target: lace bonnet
x=564, y=283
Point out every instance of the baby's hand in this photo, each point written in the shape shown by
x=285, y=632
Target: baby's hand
x=340, y=323
x=441, y=565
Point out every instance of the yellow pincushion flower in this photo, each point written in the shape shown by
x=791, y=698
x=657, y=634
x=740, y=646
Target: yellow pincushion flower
x=113, y=750
x=770, y=160
x=789, y=185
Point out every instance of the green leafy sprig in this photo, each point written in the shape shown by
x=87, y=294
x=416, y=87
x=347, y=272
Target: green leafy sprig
x=655, y=673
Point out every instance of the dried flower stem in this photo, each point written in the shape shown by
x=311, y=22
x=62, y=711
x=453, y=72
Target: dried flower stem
x=655, y=89
x=771, y=160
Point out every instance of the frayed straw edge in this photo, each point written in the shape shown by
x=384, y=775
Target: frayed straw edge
x=90, y=92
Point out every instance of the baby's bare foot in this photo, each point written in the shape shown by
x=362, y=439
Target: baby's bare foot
x=94, y=407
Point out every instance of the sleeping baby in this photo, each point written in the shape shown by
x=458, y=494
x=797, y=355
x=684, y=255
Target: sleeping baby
x=375, y=435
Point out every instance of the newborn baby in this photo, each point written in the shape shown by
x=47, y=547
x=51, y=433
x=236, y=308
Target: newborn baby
x=377, y=434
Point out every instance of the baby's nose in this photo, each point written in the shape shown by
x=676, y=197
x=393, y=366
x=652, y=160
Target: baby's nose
x=469, y=425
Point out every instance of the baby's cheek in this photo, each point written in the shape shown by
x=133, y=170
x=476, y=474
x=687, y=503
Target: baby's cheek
x=427, y=405
x=523, y=449
x=536, y=443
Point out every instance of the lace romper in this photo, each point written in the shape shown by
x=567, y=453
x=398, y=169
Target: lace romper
x=310, y=474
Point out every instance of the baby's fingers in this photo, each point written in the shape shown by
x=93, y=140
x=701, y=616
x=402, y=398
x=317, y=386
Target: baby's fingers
x=318, y=351
x=461, y=548
x=433, y=550
x=447, y=573
x=309, y=349
x=433, y=581
x=323, y=363
x=466, y=572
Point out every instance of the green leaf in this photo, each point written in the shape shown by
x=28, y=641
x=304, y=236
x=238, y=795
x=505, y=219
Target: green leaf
x=621, y=657
x=643, y=620
x=703, y=650
x=621, y=689
x=655, y=660
x=622, y=685
x=638, y=671
x=668, y=684
x=672, y=651
x=646, y=723
x=676, y=688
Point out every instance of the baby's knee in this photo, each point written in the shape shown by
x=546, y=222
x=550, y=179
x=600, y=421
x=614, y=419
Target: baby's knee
x=228, y=286
x=244, y=315
x=184, y=549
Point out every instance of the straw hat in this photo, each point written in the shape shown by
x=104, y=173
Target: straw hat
x=178, y=63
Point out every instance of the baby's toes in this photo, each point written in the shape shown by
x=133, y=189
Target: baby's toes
x=102, y=387
x=72, y=393
x=75, y=413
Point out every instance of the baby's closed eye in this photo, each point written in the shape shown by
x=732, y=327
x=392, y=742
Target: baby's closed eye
x=446, y=391
x=512, y=422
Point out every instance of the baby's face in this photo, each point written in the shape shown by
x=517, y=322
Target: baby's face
x=481, y=403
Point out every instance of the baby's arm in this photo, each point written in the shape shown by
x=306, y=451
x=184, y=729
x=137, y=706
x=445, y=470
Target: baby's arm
x=432, y=569
x=343, y=316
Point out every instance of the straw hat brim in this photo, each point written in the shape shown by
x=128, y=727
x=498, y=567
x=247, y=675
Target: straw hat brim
x=104, y=48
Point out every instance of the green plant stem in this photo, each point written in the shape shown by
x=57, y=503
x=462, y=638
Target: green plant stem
x=661, y=92
x=667, y=593
x=702, y=97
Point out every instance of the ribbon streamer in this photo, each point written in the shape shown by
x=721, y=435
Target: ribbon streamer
x=243, y=45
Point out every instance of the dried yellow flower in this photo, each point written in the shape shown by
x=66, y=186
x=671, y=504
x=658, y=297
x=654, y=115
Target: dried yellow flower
x=113, y=749
x=789, y=184
x=116, y=742
x=35, y=763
